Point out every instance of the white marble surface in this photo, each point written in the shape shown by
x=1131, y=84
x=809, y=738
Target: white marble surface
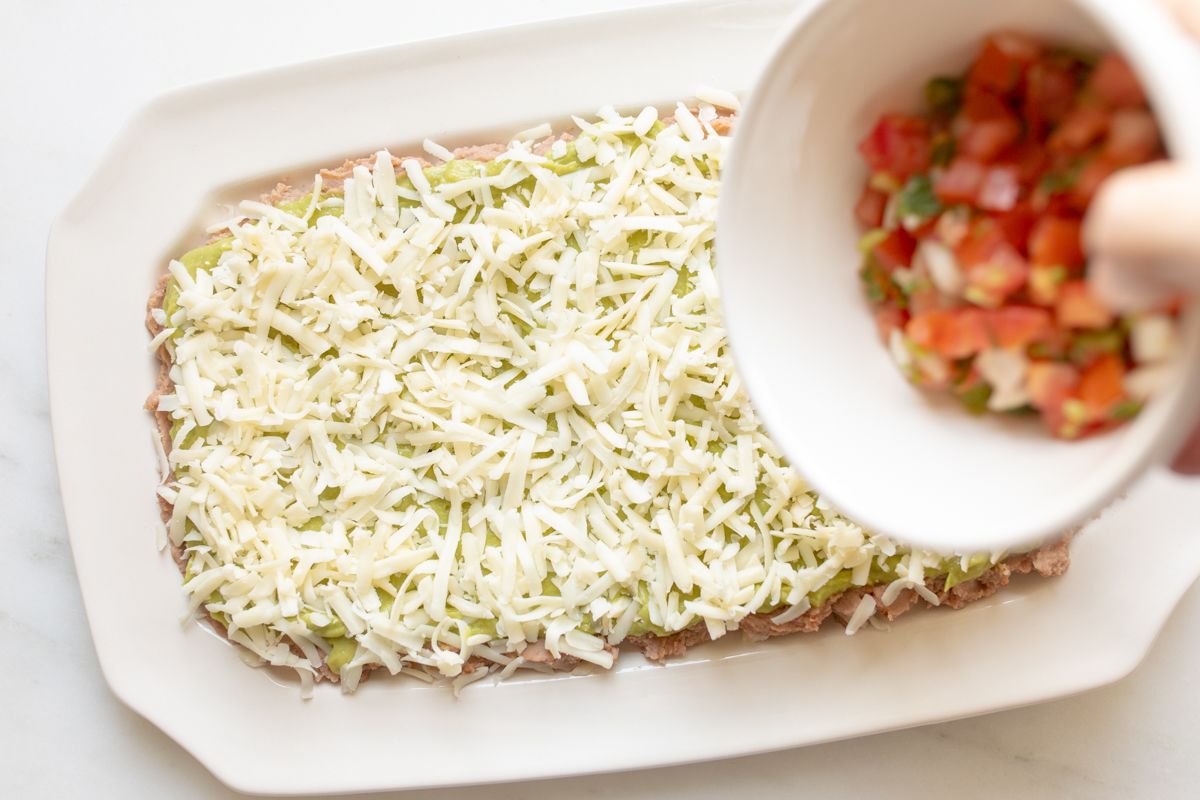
x=70, y=74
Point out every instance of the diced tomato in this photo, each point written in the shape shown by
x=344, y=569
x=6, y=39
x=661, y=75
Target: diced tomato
x=952, y=333
x=1079, y=130
x=889, y=318
x=959, y=182
x=926, y=298
x=1052, y=203
x=1049, y=95
x=986, y=126
x=1066, y=419
x=1101, y=387
x=1055, y=345
x=1030, y=159
x=1056, y=241
x=1018, y=46
x=1052, y=387
x=1015, y=156
x=1054, y=418
x=1016, y=224
x=979, y=106
x=1113, y=83
x=988, y=138
x=1052, y=191
x=982, y=243
x=994, y=268
x=1018, y=327
x=1050, y=382
x=1000, y=190
x=953, y=226
x=899, y=145
x=1077, y=307
x=1132, y=137
x=1045, y=283
x=992, y=283
x=896, y=250
x=869, y=208
x=923, y=228
x=1093, y=173
x=1002, y=62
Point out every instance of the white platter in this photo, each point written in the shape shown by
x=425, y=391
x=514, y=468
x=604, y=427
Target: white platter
x=150, y=197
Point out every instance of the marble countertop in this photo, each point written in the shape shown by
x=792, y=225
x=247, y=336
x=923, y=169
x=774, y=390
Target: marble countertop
x=70, y=74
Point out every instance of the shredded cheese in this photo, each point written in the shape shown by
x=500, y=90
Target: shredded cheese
x=442, y=417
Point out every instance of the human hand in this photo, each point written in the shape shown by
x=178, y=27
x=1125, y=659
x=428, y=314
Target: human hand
x=1143, y=233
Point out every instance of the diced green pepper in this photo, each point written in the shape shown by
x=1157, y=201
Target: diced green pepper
x=878, y=284
x=974, y=397
x=916, y=201
x=1087, y=346
x=943, y=150
x=1062, y=181
x=1126, y=409
x=943, y=95
x=872, y=238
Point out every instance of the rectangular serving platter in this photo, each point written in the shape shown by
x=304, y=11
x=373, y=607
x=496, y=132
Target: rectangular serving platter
x=165, y=178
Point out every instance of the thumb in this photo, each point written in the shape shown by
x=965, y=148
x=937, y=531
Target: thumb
x=1187, y=12
x=1143, y=235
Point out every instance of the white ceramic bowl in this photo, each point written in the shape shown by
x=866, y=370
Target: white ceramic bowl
x=881, y=451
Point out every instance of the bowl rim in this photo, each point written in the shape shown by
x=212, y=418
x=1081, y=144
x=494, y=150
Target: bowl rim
x=1156, y=46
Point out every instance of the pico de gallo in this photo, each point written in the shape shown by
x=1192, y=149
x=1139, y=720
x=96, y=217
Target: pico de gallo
x=972, y=259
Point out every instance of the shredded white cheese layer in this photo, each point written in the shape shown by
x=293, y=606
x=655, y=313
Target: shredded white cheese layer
x=436, y=419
